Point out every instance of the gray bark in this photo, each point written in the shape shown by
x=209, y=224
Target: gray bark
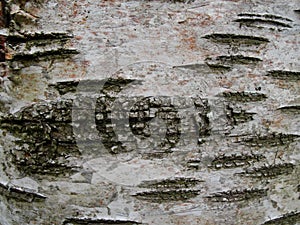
x=149, y=112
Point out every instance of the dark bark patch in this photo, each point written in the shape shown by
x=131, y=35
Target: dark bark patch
x=238, y=195
x=160, y=196
x=235, y=39
x=269, y=16
x=269, y=140
x=291, y=218
x=232, y=60
x=290, y=109
x=206, y=68
x=179, y=182
x=269, y=171
x=244, y=96
x=284, y=75
x=234, y=160
x=238, y=116
x=98, y=221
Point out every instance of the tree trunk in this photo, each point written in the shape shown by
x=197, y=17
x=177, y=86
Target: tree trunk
x=149, y=112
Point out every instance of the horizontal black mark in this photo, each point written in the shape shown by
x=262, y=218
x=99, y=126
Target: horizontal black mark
x=256, y=21
x=70, y=86
x=20, y=193
x=269, y=16
x=179, y=182
x=290, y=108
x=25, y=37
x=194, y=163
x=206, y=68
x=232, y=59
x=167, y=195
x=244, y=96
x=235, y=39
x=237, y=195
x=98, y=221
x=220, y=68
x=269, y=171
x=234, y=160
x=284, y=75
x=269, y=140
x=50, y=54
x=291, y=218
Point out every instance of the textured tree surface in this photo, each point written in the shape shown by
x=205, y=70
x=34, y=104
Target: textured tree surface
x=149, y=112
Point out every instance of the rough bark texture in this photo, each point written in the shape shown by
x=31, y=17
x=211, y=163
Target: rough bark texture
x=149, y=112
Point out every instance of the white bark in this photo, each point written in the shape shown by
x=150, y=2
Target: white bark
x=150, y=112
